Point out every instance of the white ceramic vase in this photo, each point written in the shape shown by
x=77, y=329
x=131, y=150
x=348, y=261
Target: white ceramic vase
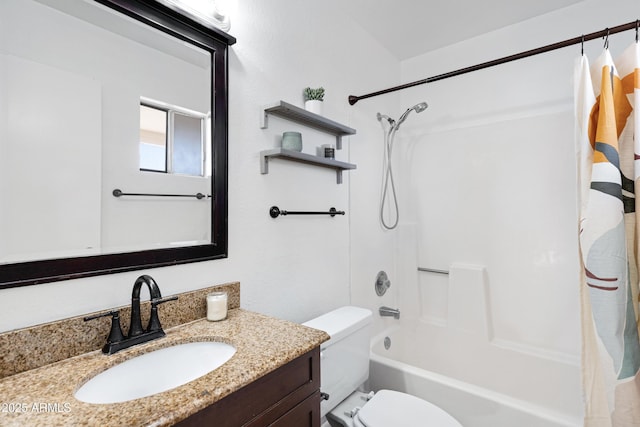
x=313, y=106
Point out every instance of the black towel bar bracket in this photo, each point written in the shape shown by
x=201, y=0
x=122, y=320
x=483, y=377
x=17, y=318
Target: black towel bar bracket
x=275, y=212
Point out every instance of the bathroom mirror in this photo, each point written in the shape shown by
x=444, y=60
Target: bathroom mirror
x=75, y=198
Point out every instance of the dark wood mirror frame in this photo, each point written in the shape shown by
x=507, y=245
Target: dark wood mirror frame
x=216, y=42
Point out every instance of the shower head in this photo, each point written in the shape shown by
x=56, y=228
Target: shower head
x=418, y=108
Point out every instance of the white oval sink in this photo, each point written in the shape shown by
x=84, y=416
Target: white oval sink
x=155, y=372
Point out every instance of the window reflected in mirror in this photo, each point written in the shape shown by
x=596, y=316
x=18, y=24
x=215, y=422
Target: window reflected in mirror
x=173, y=140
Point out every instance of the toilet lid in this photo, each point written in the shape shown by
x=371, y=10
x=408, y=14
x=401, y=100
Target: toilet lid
x=392, y=408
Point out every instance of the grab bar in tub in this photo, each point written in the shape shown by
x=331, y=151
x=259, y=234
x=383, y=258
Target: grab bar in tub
x=433, y=270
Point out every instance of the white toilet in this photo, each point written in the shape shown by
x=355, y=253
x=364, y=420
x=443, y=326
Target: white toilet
x=344, y=364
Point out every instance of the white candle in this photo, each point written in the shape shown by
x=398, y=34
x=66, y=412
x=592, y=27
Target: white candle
x=217, y=306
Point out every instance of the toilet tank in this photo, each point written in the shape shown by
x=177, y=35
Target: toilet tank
x=344, y=359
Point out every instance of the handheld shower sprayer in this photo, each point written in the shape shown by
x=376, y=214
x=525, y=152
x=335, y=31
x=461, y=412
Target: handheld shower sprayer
x=418, y=108
x=387, y=171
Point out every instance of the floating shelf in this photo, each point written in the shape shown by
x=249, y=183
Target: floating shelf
x=297, y=156
x=313, y=120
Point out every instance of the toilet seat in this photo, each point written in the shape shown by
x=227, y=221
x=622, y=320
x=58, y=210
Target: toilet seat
x=393, y=408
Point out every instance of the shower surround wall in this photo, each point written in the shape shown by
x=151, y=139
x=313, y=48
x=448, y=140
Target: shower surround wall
x=294, y=267
x=488, y=179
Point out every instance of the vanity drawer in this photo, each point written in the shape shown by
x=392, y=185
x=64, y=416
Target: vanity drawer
x=305, y=414
x=291, y=392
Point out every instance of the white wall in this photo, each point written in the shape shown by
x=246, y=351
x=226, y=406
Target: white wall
x=491, y=175
x=292, y=267
x=297, y=267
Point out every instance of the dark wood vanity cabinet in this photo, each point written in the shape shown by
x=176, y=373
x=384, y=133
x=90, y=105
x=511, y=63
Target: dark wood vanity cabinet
x=286, y=397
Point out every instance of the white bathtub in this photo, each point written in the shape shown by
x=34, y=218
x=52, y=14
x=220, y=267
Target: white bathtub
x=480, y=383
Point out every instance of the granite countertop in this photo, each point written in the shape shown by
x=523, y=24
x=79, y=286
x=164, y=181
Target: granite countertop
x=44, y=396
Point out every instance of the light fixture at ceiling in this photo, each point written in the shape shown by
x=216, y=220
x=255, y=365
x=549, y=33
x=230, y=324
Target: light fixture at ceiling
x=207, y=12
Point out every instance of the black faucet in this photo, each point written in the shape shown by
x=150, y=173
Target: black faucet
x=135, y=327
x=137, y=335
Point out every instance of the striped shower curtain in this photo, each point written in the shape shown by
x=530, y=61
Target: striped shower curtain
x=607, y=114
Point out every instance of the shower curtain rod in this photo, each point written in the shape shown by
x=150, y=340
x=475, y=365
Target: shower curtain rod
x=583, y=38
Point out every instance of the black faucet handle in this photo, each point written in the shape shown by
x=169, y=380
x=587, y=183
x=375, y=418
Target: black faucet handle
x=154, y=321
x=156, y=301
x=103, y=314
x=115, y=335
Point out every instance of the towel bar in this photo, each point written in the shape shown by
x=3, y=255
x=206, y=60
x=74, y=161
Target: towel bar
x=119, y=193
x=433, y=270
x=275, y=212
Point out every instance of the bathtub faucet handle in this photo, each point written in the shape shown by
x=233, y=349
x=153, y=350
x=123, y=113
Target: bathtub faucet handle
x=382, y=283
x=389, y=312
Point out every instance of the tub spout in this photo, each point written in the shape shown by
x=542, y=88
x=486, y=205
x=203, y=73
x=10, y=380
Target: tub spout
x=389, y=312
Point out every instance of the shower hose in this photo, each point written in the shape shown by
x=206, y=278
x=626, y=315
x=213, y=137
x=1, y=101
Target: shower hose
x=388, y=183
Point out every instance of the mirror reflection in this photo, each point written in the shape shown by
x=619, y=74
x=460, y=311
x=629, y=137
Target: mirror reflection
x=75, y=78
x=172, y=139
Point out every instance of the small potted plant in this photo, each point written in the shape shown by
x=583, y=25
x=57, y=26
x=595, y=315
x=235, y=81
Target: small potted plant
x=313, y=99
